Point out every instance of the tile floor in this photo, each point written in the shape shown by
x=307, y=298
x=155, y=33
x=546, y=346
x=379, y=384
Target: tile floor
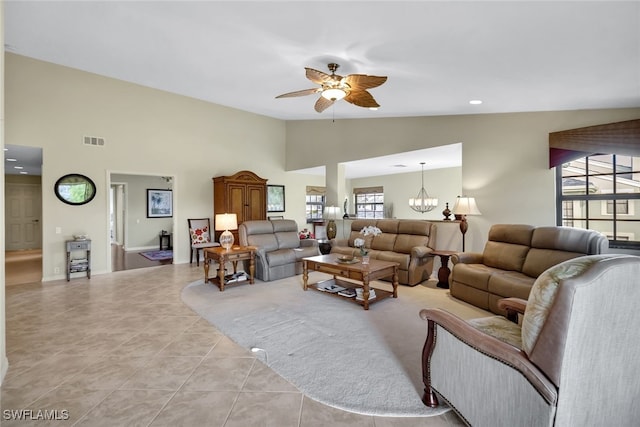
x=121, y=349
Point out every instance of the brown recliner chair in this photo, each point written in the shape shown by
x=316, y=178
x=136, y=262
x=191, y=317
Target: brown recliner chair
x=572, y=362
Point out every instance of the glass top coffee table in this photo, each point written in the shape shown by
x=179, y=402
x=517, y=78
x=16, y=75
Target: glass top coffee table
x=359, y=276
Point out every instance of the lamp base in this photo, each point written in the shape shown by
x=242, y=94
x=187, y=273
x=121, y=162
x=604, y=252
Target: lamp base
x=332, y=229
x=226, y=239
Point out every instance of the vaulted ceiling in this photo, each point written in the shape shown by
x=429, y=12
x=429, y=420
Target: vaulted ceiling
x=514, y=56
x=438, y=55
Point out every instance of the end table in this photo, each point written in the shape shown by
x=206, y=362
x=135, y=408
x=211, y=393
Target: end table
x=443, y=271
x=222, y=255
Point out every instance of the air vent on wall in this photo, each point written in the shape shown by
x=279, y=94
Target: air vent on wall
x=94, y=140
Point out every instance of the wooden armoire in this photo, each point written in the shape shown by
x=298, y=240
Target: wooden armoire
x=244, y=194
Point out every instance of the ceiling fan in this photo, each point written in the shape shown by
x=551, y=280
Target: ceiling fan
x=352, y=88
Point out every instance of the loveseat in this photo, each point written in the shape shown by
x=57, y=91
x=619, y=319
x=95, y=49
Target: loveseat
x=514, y=256
x=407, y=242
x=279, y=248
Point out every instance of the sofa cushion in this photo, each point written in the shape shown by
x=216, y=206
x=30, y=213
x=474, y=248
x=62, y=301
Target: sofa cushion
x=539, y=260
x=518, y=234
x=388, y=225
x=258, y=227
x=280, y=257
x=473, y=275
x=284, y=225
x=266, y=242
x=402, y=259
x=510, y=284
x=505, y=256
x=287, y=239
x=569, y=239
x=418, y=227
x=405, y=242
x=383, y=242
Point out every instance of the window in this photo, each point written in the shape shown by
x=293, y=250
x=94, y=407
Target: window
x=369, y=202
x=602, y=193
x=315, y=203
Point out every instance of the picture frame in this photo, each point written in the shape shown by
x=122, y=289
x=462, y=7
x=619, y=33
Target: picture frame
x=159, y=203
x=275, y=198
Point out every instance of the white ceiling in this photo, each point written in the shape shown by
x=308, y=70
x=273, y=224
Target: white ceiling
x=513, y=55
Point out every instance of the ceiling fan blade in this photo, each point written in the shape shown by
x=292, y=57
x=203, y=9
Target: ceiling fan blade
x=318, y=77
x=322, y=104
x=363, y=81
x=361, y=98
x=299, y=93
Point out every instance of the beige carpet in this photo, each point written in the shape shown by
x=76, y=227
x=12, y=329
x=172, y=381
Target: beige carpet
x=367, y=362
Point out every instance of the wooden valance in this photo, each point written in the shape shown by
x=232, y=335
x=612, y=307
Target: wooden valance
x=612, y=138
x=367, y=190
x=316, y=191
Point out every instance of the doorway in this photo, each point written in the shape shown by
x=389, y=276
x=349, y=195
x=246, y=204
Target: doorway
x=131, y=231
x=23, y=214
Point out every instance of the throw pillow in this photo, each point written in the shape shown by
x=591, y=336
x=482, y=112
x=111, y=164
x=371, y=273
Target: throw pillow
x=200, y=235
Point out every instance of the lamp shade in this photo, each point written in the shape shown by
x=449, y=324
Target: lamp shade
x=331, y=212
x=226, y=222
x=466, y=206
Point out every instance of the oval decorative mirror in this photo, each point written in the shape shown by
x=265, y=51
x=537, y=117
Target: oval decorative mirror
x=75, y=189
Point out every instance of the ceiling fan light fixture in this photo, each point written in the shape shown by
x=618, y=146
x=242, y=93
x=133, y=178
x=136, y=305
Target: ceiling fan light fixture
x=334, y=94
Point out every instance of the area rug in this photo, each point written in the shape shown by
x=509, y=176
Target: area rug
x=368, y=362
x=158, y=255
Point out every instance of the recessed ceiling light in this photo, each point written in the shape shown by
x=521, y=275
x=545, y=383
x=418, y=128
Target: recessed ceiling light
x=24, y=173
x=18, y=167
x=475, y=102
x=12, y=160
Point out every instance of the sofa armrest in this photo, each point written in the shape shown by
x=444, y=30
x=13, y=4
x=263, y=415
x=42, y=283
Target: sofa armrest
x=467, y=258
x=420, y=251
x=513, y=306
x=308, y=243
x=492, y=347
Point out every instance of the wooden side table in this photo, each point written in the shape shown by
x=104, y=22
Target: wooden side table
x=222, y=256
x=165, y=238
x=444, y=271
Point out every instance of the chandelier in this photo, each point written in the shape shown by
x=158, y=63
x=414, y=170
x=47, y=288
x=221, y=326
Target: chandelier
x=422, y=202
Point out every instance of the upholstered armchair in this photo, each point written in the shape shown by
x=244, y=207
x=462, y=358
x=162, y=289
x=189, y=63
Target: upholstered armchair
x=572, y=360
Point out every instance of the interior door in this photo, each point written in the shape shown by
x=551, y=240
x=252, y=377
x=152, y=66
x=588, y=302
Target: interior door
x=256, y=202
x=23, y=212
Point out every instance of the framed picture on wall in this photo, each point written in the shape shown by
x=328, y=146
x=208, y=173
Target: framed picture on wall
x=159, y=203
x=275, y=198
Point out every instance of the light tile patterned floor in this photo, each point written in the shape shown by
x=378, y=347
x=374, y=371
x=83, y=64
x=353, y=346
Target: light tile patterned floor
x=122, y=349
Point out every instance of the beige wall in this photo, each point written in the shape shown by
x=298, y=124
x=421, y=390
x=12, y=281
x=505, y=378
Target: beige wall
x=504, y=156
x=4, y=363
x=146, y=132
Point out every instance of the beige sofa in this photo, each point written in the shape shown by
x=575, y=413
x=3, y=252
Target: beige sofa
x=514, y=256
x=279, y=248
x=407, y=242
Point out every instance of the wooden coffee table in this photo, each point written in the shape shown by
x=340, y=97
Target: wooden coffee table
x=222, y=256
x=356, y=271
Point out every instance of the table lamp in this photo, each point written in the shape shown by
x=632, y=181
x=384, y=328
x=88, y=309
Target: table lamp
x=465, y=206
x=226, y=222
x=331, y=213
